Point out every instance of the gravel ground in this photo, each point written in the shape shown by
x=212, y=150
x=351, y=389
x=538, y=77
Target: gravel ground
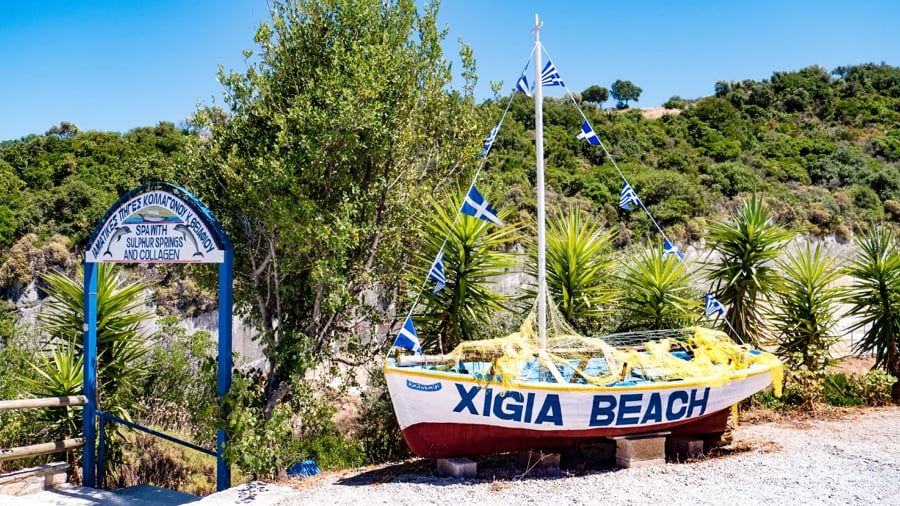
x=843, y=458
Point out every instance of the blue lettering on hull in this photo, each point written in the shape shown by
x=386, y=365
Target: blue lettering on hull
x=510, y=406
x=606, y=410
x=412, y=385
x=647, y=407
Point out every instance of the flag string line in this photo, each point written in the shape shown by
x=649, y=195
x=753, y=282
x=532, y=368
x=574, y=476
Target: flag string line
x=489, y=142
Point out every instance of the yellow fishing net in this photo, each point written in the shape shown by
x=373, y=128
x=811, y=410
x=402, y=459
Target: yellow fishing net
x=566, y=357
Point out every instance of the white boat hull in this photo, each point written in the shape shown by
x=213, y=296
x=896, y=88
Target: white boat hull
x=445, y=414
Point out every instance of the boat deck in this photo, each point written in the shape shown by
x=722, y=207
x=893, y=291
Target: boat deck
x=572, y=373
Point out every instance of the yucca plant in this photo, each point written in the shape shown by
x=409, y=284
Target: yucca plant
x=474, y=259
x=745, y=272
x=804, y=314
x=579, y=259
x=121, y=344
x=58, y=372
x=120, y=340
x=656, y=292
x=875, y=299
x=804, y=311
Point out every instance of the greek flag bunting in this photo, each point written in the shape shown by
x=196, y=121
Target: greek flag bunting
x=588, y=134
x=713, y=306
x=522, y=86
x=408, y=339
x=476, y=206
x=628, y=199
x=550, y=77
x=671, y=249
x=490, y=140
x=436, y=273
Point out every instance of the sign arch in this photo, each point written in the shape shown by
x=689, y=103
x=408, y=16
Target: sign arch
x=157, y=222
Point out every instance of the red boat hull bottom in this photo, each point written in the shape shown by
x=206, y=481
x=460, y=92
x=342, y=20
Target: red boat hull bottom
x=446, y=440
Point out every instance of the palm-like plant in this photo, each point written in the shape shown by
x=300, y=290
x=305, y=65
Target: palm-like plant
x=656, y=292
x=875, y=299
x=58, y=373
x=473, y=261
x=745, y=272
x=120, y=340
x=804, y=312
x=579, y=258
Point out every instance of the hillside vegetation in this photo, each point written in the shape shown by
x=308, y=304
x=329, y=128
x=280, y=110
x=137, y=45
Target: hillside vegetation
x=823, y=147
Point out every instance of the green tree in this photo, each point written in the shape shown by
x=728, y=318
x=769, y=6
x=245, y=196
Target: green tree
x=341, y=124
x=64, y=130
x=623, y=91
x=719, y=114
x=579, y=258
x=656, y=292
x=804, y=314
x=875, y=299
x=675, y=102
x=121, y=344
x=8, y=226
x=595, y=94
x=473, y=260
x=744, y=273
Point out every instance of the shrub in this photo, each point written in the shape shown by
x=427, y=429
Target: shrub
x=17, y=427
x=892, y=209
x=259, y=448
x=148, y=459
x=876, y=387
x=675, y=102
x=870, y=389
x=335, y=451
x=180, y=387
x=379, y=431
x=838, y=390
x=842, y=233
x=300, y=428
x=803, y=384
x=766, y=399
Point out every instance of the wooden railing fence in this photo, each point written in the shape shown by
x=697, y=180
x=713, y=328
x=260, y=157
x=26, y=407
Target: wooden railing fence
x=42, y=448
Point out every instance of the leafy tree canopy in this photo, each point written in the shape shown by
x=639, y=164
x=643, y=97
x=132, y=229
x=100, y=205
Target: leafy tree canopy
x=623, y=91
x=337, y=131
x=595, y=94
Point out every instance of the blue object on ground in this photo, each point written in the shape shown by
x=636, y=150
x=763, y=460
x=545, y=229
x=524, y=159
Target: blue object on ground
x=303, y=469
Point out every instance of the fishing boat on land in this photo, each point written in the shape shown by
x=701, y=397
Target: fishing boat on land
x=546, y=386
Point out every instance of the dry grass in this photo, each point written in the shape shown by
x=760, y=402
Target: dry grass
x=658, y=112
x=149, y=459
x=853, y=365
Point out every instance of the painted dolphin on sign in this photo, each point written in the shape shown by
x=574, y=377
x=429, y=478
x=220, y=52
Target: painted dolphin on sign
x=188, y=235
x=116, y=237
x=152, y=217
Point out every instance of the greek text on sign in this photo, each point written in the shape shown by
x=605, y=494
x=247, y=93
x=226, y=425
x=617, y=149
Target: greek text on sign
x=154, y=227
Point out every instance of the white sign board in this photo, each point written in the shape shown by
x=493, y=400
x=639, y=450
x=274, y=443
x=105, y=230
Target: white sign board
x=154, y=227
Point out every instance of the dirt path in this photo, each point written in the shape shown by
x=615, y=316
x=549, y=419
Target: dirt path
x=842, y=457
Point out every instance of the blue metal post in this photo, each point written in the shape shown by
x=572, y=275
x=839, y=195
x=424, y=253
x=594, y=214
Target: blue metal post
x=223, y=470
x=101, y=457
x=89, y=458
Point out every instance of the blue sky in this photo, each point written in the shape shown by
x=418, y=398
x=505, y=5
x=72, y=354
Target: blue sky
x=116, y=65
